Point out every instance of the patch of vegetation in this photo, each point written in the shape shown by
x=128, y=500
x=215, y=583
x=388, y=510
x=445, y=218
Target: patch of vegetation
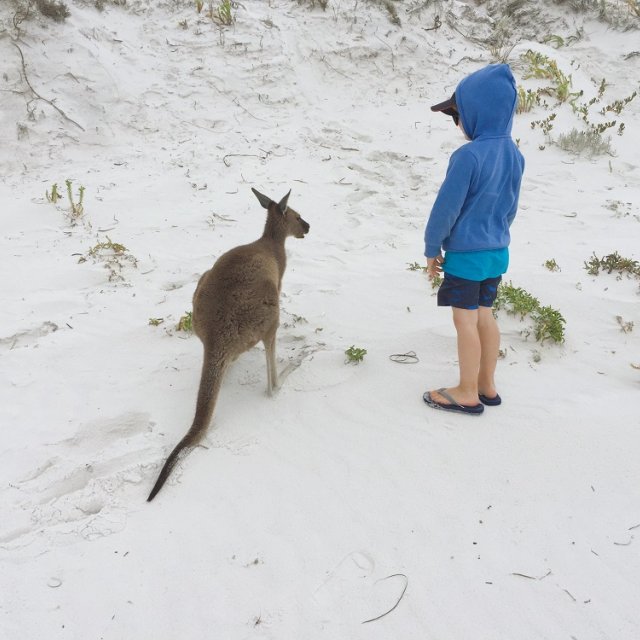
x=56, y=10
x=154, y=322
x=54, y=196
x=114, y=256
x=186, y=322
x=591, y=143
x=224, y=13
x=612, y=262
x=552, y=265
x=542, y=67
x=355, y=355
x=76, y=209
x=548, y=323
x=436, y=281
x=76, y=206
x=625, y=326
x=312, y=3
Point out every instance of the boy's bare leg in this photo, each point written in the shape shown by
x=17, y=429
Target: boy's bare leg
x=490, y=348
x=469, y=356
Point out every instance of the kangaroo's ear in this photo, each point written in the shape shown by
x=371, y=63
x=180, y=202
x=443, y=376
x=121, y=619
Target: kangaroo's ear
x=282, y=205
x=263, y=200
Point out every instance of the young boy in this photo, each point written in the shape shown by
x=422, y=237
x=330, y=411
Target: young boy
x=470, y=221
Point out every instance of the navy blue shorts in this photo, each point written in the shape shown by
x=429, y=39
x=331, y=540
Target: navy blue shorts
x=467, y=294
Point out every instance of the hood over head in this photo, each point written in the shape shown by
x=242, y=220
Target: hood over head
x=486, y=101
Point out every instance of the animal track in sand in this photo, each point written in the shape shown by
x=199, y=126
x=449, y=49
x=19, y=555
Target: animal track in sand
x=77, y=491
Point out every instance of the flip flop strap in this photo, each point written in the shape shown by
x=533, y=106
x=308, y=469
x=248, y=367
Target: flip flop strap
x=447, y=396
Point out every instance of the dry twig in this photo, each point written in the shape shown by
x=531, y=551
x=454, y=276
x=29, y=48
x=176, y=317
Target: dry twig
x=406, y=584
x=37, y=95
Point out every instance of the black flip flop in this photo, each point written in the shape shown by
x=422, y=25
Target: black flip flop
x=490, y=402
x=473, y=410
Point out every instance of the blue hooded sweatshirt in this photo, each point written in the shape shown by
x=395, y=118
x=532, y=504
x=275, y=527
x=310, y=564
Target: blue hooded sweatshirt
x=478, y=199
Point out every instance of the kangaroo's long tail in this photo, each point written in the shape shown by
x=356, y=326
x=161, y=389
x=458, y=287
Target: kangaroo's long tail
x=212, y=373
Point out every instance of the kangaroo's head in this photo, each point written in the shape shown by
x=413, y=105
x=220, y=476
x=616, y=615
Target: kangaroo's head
x=282, y=216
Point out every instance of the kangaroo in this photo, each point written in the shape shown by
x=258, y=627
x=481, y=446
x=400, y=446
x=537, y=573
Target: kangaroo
x=236, y=304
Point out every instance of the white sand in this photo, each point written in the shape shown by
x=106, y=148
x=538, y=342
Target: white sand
x=518, y=525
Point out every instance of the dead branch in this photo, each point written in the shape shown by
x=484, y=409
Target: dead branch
x=37, y=95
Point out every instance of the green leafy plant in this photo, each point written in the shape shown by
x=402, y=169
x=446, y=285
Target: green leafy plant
x=545, y=124
x=528, y=99
x=542, y=67
x=416, y=266
x=552, y=265
x=618, y=105
x=54, y=196
x=186, y=322
x=548, y=323
x=76, y=209
x=154, y=322
x=224, y=13
x=355, y=355
x=612, y=262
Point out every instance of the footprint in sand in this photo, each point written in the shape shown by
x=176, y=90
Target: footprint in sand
x=77, y=489
x=28, y=337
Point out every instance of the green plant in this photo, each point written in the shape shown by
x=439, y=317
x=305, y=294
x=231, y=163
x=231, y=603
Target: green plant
x=76, y=208
x=515, y=300
x=618, y=105
x=54, y=196
x=612, y=262
x=113, y=255
x=416, y=266
x=186, y=322
x=436, y=281
x=355, y=355
x=548, y=323
x=542, y=67
x=545, y=125
x=225, y=13
x=154, y=322
x=552, y=265
x=528, y=99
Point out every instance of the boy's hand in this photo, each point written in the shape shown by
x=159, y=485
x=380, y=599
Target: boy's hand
x=434, y=266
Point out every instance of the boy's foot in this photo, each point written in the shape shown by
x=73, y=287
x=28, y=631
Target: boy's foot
x=449, y=403
x=490, y=402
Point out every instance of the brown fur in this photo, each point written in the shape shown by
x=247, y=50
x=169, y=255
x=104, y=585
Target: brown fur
x=236, y=305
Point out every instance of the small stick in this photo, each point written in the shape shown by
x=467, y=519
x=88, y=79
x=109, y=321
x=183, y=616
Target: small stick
x=524, y=575
x=395, y=575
